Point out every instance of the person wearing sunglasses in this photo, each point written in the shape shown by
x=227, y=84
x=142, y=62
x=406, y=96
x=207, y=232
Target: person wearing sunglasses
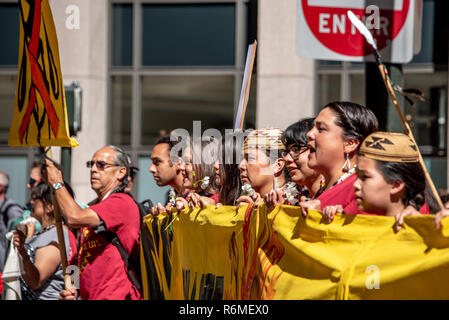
x=42, y=277
x=104, y=275
x=34, y=179
x=35, y=174
x=296, y=158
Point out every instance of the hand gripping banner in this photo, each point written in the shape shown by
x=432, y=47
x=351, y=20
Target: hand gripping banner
x=248, y=253
x=40, y=116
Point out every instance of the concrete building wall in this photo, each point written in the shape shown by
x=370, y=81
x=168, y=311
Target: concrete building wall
x=285, y=82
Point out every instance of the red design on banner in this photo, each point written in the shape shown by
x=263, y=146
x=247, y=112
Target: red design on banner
x=38, y=79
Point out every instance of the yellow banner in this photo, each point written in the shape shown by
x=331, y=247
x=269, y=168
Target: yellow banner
x=249, y=254
x=40, y=116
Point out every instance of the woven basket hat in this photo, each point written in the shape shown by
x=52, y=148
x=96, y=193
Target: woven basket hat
x=389, y=146
x=265, y=138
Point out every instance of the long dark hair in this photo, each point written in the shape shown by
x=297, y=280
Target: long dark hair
x=229, y=191
x=357, y=121
x=412, y=174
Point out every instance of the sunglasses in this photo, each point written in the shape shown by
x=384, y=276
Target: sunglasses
x=32, y=181
x=295, y=150
x=101, y=165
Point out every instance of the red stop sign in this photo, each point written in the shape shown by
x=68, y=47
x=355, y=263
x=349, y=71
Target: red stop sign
x=333, y=29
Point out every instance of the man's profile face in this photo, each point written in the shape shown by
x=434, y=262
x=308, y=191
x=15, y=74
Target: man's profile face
x=163, y=170
x=110, y=176
x=35, y=174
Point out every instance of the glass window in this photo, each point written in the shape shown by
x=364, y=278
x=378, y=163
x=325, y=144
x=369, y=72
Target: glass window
x=121, y=90
x=428, y=118
x=188, y=35
x=428, y=21
x=7, y=97
x=9, y=33
x=171, y=102
x=122, y=35
x=147, y=187
x=358, y=88
x=329, y=89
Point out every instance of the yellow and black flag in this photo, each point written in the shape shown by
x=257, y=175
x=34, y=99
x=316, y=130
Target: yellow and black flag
x=40, y=116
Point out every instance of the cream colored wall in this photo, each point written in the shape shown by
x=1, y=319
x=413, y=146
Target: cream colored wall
x=83, y=54
x=285, y=82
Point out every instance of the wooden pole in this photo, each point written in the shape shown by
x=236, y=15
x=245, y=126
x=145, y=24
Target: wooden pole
x=61, y=240
x=408, y=131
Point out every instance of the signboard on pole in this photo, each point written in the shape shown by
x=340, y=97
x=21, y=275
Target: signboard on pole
x=325, y=32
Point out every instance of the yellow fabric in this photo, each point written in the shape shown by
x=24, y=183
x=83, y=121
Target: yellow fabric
x=40, y=116
x=280, y=255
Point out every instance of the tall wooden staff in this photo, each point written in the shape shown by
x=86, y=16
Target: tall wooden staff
x=384, y=73
x=60, y=231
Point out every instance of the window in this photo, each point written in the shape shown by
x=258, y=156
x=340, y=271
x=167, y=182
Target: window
x=173, y=63
x=9, y=33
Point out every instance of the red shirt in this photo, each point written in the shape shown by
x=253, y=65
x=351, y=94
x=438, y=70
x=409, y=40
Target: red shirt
x=343, y=194
x=214, y=197
x=103, y=272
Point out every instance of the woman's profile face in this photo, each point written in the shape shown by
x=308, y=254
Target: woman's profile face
x=298, y=168
x=187, y=169
x=218, y=177
x=326, y=144
x=38, y=208
x=256, y=169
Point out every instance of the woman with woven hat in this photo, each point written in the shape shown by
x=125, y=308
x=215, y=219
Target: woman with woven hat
x=334, y=140
x=262, y=168
x=389, y=178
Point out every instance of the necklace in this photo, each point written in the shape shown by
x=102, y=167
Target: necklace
x=44, y=230
x=342, y=178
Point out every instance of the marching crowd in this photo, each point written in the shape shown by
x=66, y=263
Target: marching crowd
x=337, y=162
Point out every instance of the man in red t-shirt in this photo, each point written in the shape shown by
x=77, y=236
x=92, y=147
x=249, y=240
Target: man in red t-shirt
x=103, y=275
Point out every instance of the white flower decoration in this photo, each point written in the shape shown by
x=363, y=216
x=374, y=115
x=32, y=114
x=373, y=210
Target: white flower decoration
x=172, y=196
x=205, y=182
x=248, y=190
x=291, y=193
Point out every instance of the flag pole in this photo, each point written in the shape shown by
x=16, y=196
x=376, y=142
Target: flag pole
x=386, y=78
x=59, y=230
